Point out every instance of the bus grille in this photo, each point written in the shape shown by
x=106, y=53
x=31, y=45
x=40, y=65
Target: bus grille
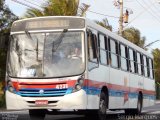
x=42, y=92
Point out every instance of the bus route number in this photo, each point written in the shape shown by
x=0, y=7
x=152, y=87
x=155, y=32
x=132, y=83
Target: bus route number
x=62, y=86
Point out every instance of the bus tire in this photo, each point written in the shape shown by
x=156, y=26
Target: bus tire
x=103, y=104
x=37, y=114
x=138, y=110
x=99, y=114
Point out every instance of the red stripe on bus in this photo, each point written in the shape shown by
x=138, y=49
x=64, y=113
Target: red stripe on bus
x=41, y=85
x=97, y=84
x=87, y=82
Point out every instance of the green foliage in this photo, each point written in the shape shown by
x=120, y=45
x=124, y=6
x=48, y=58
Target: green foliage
x=133, y=35
x=55, y=8
x=156, y=54
x=3, y=55
x=6, y=18
x=2, y=101
x=82, y=9
x=2, y=76
x=104, y=23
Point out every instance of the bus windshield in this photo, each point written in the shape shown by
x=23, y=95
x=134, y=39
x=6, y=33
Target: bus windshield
x=54, y=54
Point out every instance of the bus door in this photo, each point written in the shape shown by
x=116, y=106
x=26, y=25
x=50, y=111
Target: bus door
x=136, y=81
x=119, y=77
x=93, y=70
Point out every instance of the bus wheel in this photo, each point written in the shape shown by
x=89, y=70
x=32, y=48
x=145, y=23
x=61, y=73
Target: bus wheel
x=136, y=111
x=37, y=114
x=102, y=106
x=139, y=105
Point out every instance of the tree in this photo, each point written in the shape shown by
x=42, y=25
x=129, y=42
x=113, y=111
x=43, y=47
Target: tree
x=104, y=23
x=55, y=8
x=133, y=35
x=156, y=55
x=82, y=9
x=6, y=18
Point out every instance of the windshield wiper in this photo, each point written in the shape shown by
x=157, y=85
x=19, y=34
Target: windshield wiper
x=37, y=47
x=28, y=34
x=58, y=41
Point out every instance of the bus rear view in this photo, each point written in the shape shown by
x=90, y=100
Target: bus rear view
x=46, y=65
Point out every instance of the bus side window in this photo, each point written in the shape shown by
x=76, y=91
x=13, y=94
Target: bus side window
x=142, y=64
x=113, y=53
x=148, y=67
x=145, y=66
x=124, y=57
x=92, y=47
x=103, y=56
x=151, y=69
x=139, y=65
x=132, y=60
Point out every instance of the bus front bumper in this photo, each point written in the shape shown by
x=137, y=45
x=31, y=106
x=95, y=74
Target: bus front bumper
x=76, y=100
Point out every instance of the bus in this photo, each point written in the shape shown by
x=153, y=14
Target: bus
x=70, y=63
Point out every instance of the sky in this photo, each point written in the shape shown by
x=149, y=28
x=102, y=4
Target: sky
x=145, y=16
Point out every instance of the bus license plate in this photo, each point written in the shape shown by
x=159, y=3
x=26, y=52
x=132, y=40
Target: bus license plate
x=41, y=102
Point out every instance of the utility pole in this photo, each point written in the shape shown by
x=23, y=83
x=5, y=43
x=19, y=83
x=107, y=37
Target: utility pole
x=121, y=17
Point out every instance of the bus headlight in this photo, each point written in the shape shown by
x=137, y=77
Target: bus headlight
x=78, y=86
x=10, y=86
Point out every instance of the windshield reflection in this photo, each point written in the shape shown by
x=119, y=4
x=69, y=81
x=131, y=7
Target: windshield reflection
x=37, y=55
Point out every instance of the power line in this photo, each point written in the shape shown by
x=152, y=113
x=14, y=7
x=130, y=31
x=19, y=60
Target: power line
x=157, y=8
x=102, y=14
x=153, y=12
x=148, y=11
x=143, y=11
x=32, y=3
x=24, y=4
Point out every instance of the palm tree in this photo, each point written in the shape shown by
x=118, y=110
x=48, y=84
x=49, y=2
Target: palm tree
x=82, y=9
x=156, y=55
x=55, y=8
x=133, y=35
x=34, y=13
x=104, y=23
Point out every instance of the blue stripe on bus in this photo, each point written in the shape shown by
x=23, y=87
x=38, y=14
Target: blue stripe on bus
x=89, y=91
x=116, y=93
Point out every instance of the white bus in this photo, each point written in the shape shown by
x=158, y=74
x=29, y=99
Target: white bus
x=60, y=63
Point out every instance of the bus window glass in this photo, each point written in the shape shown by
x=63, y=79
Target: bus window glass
x=103, y=52
x=145, y=66
x=123, y=50
x=131, y=57
x=113, y=46
x=113, y=53
x=103, y=57
x=150, y=68
x=139, y=63
x=46, y=55
x=26, y=55
x=123, y=57
x=102, y=41
x=92, y=47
